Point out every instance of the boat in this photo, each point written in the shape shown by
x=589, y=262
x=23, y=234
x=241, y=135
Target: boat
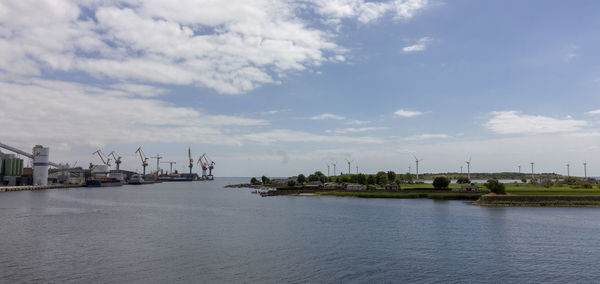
x=138, y=179
x=174, y=178
x=105, y=179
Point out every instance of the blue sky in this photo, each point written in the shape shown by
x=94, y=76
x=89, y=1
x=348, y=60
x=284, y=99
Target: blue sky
x=282, y=87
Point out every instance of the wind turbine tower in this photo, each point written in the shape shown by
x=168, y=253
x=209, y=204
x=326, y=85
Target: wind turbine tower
x=328, y=170
x=468, y=168
x=356, y=169
x=519, y=168
x=585, y=170
x=568, y=170
x=532, y=177
x=417, y=162
x=349, y=162
x=334, y=169
x=461, y=167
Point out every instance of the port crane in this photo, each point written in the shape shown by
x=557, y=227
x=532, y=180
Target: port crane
x=143, y=158
x=171, y=164
x=105, y=159
x=191, y=159
x=206, y=164
x=116, y=158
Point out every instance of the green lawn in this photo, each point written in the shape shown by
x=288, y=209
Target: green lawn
x=521, y=189
x=437, y=195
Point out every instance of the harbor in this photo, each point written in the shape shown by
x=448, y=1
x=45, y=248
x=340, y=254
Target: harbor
x=21, y=170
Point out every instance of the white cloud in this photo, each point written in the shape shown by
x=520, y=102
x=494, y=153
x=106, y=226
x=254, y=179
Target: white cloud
x=365, y=12
x=513, y=122
x=358, y=122
x=594, y=112
x=407, y=113
x=354, y=130
x=285, y=135
x=272, y=112
x=326, y=116
x=93, y=116
x=230, y=46
x=426, y=136
x=419, y=46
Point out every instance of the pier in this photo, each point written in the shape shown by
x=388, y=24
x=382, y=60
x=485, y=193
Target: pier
x=37, y=187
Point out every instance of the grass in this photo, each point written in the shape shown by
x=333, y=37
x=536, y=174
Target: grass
x=438, y=196
x=551, y=203
x=532, y=189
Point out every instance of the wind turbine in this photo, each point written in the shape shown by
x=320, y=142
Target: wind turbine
x=357, y=169
x=334, y=168
x=585, y=170
x=468, y=168
x=349, y=162
x=417, y=162
x=409, y=171
x=461, y=167
x=568, y=170
x=519, y=168
x=328, y=170
x=532, y=177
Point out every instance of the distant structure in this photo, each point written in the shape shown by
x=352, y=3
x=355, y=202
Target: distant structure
x=171, y=166
x=116, y=158
x=143, y=158
x=468, y=168
x=357, y=169
x=461, y=168
x=568, y=170
x=158, y=157
x=349, y=162
x=333, y=164
x=532, y=177
x=328, y=166
x=585, y=170
x=519, y=168
x=191, y=165
x=417, y=162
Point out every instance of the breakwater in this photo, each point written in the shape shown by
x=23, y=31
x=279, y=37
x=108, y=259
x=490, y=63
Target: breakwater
x=537, y=200
x=36, y=187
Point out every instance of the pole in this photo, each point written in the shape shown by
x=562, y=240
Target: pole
x=568, y=171
x=585, y=170
x=417, y=169
x=519, y=168
x=334, y=170
x=532, y=177
x=327, y=170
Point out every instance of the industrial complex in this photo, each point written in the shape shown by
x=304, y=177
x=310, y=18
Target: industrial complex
x=40, y=172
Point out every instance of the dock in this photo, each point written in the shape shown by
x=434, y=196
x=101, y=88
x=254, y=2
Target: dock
x=37, y=187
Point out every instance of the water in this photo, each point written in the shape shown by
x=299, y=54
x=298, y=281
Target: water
x=201, y=232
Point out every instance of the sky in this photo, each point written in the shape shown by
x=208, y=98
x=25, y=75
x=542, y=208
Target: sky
x=278, y=88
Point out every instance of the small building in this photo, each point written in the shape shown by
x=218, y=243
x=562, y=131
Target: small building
x=392, y=187
x=353, y=186
x=281, y=182
x=468, y=188
x=330, y=185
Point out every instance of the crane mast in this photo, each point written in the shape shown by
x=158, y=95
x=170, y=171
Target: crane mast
x=116, y=158
x=105, y=159
x=143, y=158
x=191, y=160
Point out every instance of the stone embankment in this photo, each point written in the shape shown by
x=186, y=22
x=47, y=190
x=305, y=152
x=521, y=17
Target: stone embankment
x=36, y=187
x=539, y=200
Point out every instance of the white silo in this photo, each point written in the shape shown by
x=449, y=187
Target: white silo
x=40, y=165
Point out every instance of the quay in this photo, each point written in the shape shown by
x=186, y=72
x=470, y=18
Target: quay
x=37, y=187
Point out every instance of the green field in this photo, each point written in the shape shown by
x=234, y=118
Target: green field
x=522, y=189
x=406, y=195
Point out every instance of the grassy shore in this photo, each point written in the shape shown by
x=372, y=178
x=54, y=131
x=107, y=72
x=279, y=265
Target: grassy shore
x=409, y=195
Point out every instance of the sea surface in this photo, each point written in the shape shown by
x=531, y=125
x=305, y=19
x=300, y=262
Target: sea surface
x=201, y=232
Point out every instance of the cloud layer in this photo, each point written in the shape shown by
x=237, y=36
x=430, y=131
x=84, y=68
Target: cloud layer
x=229, y=46
x=513, y=122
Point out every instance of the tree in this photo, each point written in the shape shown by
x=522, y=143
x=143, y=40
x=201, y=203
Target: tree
x=254, y=181
x=495, y=186
x=265, y=180
x=291, y=182
x=391, y=176
x=313, y=177
x=361, y=178
x=370, y=179
x=381, y=178
x=441, y=183
x=463, y=180
x=301, y=179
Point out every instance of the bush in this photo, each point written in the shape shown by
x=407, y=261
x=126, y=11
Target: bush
x=463, y=180
x=370, y=179
x=441, y=183
x=371, y=187
x=265, y=180
x=587, y=186
x=254, y=181
x=291, y=182
x=381, y=178
x=495, y=186
x=301, y=179
x=523, y=180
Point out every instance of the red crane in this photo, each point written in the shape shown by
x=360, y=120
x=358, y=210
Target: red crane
x=117, y=159
x=203, y=165
x=143, y=158
x=105, y=159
